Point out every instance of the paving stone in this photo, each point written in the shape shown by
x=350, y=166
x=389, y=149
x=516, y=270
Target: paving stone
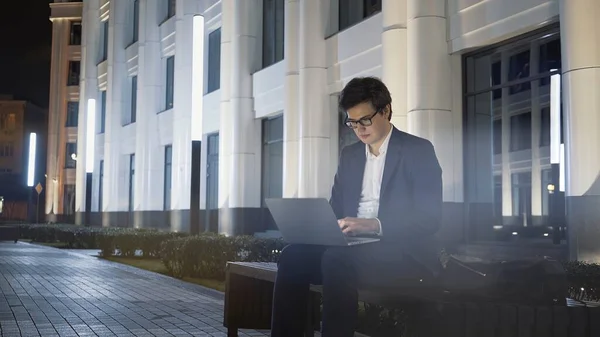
x=46, y=291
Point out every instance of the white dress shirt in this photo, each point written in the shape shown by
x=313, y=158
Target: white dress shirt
x=368, y=206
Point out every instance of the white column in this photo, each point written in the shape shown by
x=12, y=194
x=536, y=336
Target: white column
x=182, y=112
x=394, y=58
x=430, y=89
x=116, y=175
x=536, y=119
x=507, y=203
x=315, y=119
x=580, y=29
x=88, y=88
x=58, y=68
x=291, y=120
x=239, y=186
x=148, y=152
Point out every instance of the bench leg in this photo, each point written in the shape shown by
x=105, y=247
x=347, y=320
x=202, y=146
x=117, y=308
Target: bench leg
x=232, y=332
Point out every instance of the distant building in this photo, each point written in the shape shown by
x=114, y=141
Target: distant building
x=63, y=110
x=18, y=119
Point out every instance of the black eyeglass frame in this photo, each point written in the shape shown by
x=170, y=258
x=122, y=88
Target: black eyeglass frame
x=365, y=121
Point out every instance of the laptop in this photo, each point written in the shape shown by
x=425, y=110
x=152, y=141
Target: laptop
x=310, y=221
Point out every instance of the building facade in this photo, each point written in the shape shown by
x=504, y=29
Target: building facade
x=202, y=109
x=18, y=120
x=63, y=112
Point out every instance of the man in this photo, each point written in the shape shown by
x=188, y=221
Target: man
x=389, y=184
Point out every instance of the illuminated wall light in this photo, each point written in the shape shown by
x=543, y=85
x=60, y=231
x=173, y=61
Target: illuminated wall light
x=197, y=77
x=31, y=165
x=91, y=135
x=561, y=174
x=555, y=81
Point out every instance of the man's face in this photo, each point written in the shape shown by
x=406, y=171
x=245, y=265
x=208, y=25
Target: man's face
x=375, y=133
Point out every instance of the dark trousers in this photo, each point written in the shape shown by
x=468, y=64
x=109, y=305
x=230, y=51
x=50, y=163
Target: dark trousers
x=341, y=271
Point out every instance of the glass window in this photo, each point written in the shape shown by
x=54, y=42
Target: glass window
x=170, y=82
x=167, y=177
x=102, y=111
x=75, y=33
x=273, y=31
x=214, y=61
x=129, y=116
x=72, y=114
x=171, y=8
x=74, y=68
x=503, y=174
x=272, y=170
x=136, y=21
x=352, y=12
x=104, y=49
x=70, y=151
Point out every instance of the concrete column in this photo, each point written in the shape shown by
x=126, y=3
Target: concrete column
x=291, y=120
x=88, y=89
x=182, y=115
x=579, y=30
x=148, y=153
x=394, y=54
x=314, y=177
x=116, y=176
x=239, y=176
x=434, y=102
x=430, y=95
x=536, y=120
x=58, y=66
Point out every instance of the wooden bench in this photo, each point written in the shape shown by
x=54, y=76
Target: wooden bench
x=249, y=295
x=9, y=233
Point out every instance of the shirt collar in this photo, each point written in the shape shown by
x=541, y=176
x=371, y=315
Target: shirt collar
x=384, y=146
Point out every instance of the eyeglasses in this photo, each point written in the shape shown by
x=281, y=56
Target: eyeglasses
x=365, y=121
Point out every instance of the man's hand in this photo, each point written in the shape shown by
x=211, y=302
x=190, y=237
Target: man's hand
x=354, y=226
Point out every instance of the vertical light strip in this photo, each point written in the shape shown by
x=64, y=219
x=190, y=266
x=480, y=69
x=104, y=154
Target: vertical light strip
x=561, y=165
x=555, y=119
x=31, y=166
x=197, y=76
x=90, y=135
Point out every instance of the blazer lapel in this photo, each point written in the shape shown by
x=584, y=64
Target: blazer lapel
x=393, y=160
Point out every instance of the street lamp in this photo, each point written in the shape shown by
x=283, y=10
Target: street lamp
x=89, y=156
x=556, y=195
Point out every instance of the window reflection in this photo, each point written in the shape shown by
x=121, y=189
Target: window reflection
x=507, y=138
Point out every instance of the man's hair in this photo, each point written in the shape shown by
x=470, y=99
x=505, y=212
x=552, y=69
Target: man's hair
x=365, y=89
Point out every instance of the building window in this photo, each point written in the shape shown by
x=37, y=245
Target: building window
x=352, y=12
x=72, y=114
x=212, y=182
x=272, y=162
x=74, y=69
x=167, y=177
x=8, y=123
x=131, y=181
x=214, y=61
x=70, y=150
x=170, y=82
x=100, y=185
x=104, y=49
x=171, y=8
x=502, y=112
x=75, y=33
x=69, y=199
x=129, y=116
x=102, y=111
x=273, y=34
x=7, y=149
x=136, y=21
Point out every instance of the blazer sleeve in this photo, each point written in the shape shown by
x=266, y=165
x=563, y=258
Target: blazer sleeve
x=337, y=192
x=424, y=217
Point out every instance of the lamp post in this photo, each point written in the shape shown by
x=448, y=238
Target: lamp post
x=196, y=119
x=556, y=188
x=31, y=172
x=89, y=157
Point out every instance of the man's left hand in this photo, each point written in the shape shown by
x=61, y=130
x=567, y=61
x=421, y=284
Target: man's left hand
x=354, y=226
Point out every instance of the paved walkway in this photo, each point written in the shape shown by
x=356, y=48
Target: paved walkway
x=52, y=292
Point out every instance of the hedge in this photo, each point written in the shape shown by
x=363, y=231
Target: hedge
x=205, y=256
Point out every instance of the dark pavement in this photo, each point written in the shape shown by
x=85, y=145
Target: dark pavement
x=51, y=292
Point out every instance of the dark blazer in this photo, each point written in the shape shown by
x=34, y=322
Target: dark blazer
x=410, y=202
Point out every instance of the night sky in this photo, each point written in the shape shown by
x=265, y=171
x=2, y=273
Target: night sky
x=25, y=50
